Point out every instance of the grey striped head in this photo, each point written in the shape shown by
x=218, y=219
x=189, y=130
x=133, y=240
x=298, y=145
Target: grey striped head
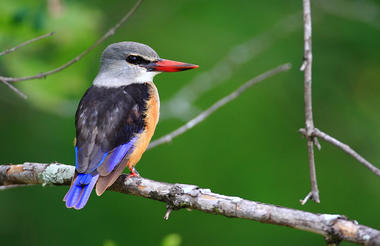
x=122, y=64
x=125, y=63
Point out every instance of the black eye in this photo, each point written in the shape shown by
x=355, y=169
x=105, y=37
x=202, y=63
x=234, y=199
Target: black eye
x=136, y=60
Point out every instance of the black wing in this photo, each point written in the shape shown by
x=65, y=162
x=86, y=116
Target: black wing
x=107, y=121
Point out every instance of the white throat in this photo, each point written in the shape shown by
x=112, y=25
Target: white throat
x=121, y=77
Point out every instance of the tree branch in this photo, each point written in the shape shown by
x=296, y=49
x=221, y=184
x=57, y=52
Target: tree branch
x=203, y=115
x=13, y=88
x=10, y=50
x=334, y=228
x=309, y=124
x=109, y=33
x=318, y=133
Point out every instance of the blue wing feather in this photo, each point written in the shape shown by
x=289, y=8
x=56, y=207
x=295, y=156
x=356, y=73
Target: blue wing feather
x=76, y=157
x=118, y=154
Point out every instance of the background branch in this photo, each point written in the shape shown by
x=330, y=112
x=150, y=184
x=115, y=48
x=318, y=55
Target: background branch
x=109, y=33
x=10, y=50
x=333, y=227
x=181, y=105
x=203, y=115
x=363, y=11
x=13, y=88
x=309, y=124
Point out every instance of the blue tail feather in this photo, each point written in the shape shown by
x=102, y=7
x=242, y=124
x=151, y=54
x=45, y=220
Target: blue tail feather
x=80, y=191
x=86, y=193
x=72, y=196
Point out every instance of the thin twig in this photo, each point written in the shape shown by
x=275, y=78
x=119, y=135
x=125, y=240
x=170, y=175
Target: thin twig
x=309, y=124
x=109, y=33
x=332, y=227
x=203, y=115
x=169, y=210
x=313, y=176
x=17, y=91
x=10, y=50
x=307, y=197
x=345, y=148
x=13, y=88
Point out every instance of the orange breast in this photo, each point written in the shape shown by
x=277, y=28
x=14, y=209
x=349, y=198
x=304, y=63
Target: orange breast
x=151, y=119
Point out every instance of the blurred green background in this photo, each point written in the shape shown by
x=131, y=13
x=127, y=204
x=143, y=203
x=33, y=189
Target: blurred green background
x=249, y=148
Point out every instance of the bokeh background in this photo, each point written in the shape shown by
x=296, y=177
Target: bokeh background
x=249, y=148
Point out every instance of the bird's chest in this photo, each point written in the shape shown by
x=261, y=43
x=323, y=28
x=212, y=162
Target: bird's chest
x=152, y=107
x=151, y=116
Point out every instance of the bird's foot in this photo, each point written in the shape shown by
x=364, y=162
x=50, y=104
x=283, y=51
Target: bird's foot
x=133, y=173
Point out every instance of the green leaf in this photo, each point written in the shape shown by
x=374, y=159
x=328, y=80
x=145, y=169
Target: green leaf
x=172, y=239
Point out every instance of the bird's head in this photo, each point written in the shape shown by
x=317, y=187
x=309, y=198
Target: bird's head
x=130, y=62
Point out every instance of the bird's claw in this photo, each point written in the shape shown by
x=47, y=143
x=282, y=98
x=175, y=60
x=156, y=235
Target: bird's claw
x=133, y=173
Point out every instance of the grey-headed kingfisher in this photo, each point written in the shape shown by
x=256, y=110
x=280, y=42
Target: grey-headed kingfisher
x=116, y=118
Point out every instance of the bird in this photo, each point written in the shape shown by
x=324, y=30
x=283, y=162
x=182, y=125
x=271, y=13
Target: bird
x=116, y=118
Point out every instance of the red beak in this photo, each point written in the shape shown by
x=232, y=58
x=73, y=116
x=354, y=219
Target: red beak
x=163, y=65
